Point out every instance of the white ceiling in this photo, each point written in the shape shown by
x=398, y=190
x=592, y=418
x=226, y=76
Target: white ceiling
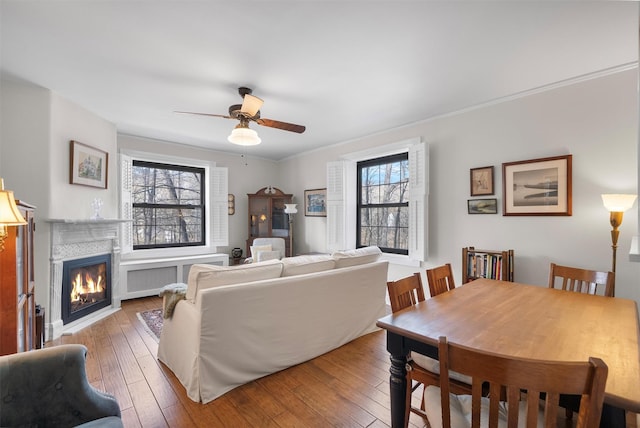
x=345, y=69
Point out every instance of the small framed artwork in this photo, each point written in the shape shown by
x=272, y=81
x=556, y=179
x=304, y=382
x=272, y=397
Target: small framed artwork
x=482, y=206
x=89, y=166
x=315, y=202
x=537, y=186
x=482, y=181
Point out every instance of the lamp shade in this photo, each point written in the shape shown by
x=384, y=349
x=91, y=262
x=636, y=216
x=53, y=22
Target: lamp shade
x=244, y=136
x=618, y=202
x=9, y=213
x=290, y=208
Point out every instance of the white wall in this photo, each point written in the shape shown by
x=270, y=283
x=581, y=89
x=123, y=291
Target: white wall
x=595, y=120
x=37, y=126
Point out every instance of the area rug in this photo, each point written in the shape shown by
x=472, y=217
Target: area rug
x=152, y=321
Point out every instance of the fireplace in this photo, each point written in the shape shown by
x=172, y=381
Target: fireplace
x=86, y=286
x=79, y=241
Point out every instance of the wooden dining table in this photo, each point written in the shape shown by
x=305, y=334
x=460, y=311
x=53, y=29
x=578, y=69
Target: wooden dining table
x=524, y=321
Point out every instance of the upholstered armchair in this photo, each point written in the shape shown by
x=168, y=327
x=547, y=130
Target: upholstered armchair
x=49, y=388
x=267, y=249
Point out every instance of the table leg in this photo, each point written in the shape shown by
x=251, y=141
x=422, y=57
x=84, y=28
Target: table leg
x=398, y=388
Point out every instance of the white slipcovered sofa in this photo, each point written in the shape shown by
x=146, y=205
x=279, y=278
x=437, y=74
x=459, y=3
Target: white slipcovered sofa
x=243, y=322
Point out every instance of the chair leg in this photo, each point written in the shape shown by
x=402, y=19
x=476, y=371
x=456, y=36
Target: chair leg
x=407, y=407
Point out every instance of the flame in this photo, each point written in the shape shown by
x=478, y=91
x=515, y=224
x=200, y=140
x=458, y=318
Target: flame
x=83, y=287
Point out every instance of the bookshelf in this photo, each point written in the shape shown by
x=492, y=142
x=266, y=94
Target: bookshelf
x=486, y=264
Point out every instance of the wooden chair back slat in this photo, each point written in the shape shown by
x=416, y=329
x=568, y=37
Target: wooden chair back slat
x=516, y=379
x=440, y=279
x=581, y=280
x=405, y=292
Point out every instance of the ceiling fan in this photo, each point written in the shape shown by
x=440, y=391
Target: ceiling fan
x=249, y=111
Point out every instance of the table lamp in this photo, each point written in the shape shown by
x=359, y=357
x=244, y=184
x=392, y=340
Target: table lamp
x=9, y=213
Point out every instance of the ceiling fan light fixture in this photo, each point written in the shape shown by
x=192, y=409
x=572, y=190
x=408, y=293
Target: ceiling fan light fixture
x=244, y=136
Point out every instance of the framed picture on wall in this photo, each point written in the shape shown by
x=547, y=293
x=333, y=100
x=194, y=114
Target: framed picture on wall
x=537, y=186
x=89, y=166
x=315, y=203
x=482, y=206
x=481, y=181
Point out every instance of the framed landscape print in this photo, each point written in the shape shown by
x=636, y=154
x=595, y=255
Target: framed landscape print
x=482, y=206
x=315, y=202
x=482, y=181
x=537, y=186
x=89, y=165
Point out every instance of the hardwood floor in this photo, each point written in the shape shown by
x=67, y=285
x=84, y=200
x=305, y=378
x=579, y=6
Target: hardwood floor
x=348, y=387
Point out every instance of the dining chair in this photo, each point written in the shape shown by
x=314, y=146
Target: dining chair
x=421, y=370
x=440, y=279
x=581, y=280
x=519, y=388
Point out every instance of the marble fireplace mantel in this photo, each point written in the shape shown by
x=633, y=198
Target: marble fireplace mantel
x=73, y=239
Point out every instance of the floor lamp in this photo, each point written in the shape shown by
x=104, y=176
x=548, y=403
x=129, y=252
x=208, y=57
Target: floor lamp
x=616, y=205
x=290, y=210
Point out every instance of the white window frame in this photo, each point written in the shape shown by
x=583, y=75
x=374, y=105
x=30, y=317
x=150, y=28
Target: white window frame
x=342, y=195
x=215, y=199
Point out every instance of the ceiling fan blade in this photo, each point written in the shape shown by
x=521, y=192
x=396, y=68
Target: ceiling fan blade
x=206, y=114
x=281, y=125
x=251, y=105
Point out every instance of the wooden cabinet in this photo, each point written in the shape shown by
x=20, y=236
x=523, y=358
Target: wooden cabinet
x=17, y=286
x=267, y=218
x=490, y=264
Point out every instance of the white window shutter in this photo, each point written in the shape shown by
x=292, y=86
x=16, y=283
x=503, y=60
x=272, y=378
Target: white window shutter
x=219, y=207
x=418, y=197
x=336, y=214
x=126, y=201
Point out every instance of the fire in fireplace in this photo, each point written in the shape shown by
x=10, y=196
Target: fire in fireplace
x=86, y=286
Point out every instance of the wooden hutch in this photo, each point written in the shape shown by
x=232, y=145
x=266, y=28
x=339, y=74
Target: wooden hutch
x=17, y=299
x=267, y=218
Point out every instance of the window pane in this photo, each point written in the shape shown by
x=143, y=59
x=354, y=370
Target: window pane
x=383, y=207
x=163, y=186
x=154, y=226
x=168, y=205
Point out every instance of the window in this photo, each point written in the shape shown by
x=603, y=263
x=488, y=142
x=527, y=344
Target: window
x=171, y=206
x=168, y=205
x=383, y=203
x=345, y=231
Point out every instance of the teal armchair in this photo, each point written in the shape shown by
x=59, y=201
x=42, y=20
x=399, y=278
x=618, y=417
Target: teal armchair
x=49, y=388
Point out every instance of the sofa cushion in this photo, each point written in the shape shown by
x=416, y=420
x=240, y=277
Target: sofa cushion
x=255, y=249
x=356, y=257
x=202, y=276
x=263, y=256
x=307, y=264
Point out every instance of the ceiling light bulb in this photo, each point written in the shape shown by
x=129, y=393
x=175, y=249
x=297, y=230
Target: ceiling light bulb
x=244, y=136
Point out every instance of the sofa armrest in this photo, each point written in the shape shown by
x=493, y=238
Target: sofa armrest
x=49, y=387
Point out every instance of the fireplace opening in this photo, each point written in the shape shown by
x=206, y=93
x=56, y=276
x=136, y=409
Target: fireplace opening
x=86, y=286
